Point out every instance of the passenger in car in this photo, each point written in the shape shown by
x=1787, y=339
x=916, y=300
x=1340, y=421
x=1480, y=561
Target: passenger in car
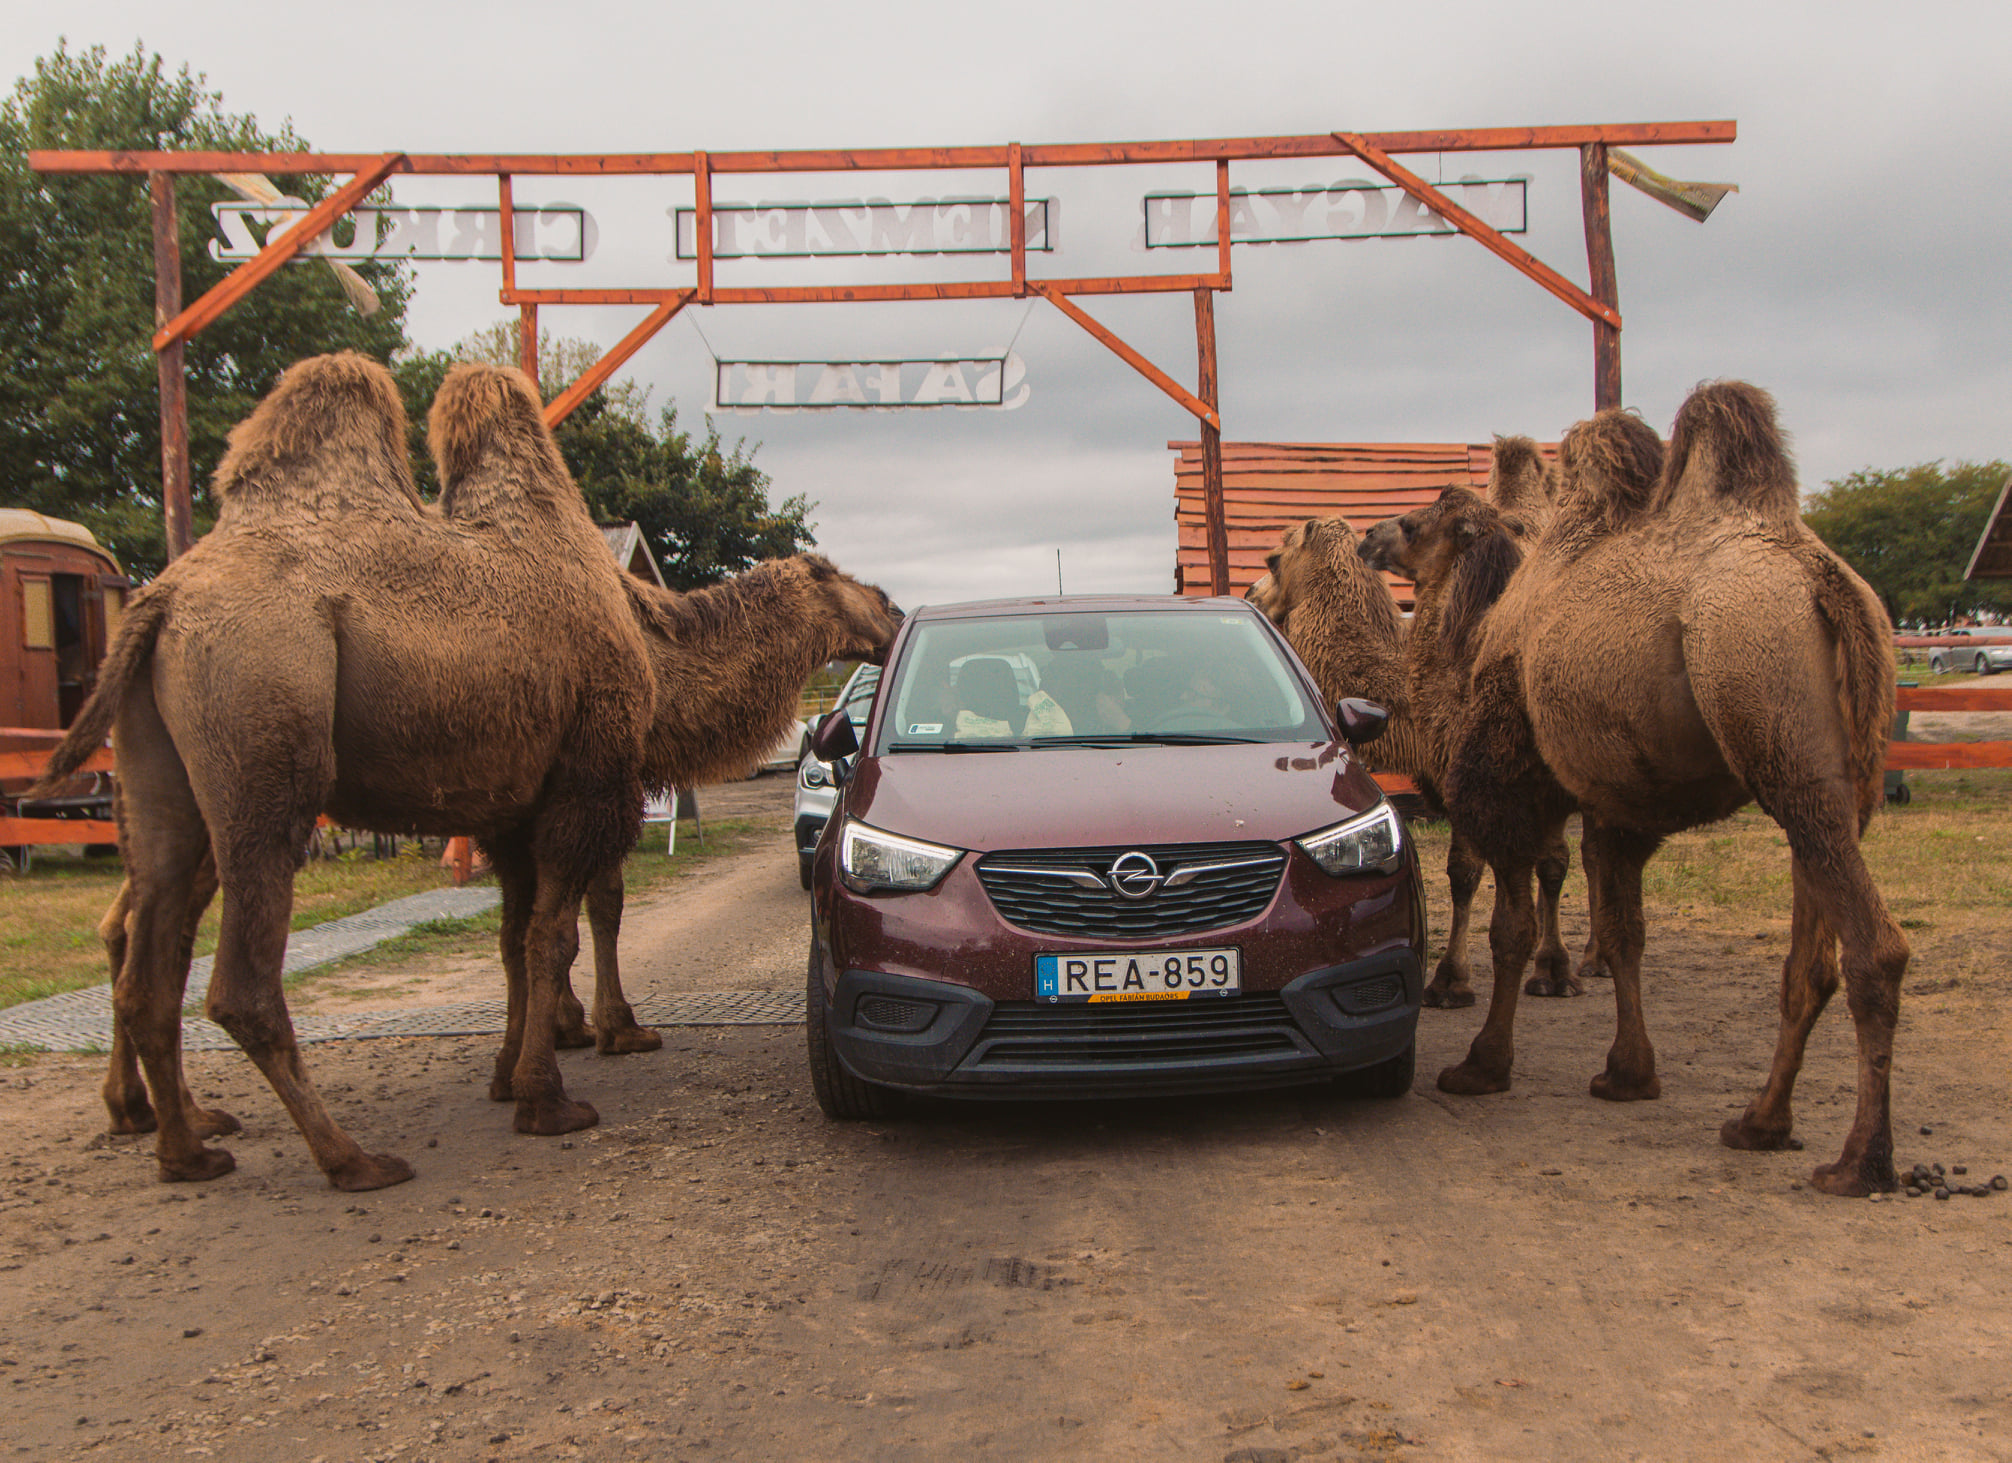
x=988, y=699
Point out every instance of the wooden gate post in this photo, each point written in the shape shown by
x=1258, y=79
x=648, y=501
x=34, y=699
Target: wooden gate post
x=174, y=389
x=1212, y=443
x=1600, y=266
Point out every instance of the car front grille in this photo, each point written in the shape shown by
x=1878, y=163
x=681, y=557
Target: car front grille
x=1136, y=1033
x=1067, y=891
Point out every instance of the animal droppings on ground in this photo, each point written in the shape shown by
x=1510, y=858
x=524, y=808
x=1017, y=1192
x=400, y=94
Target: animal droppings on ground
x=1933, y=1178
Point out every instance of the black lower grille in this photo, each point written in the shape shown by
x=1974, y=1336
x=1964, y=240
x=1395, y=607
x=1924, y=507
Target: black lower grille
x=1029, y=1033
x=1067, y=891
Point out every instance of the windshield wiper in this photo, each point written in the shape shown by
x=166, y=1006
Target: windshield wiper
x=1128, y=739
x=953, y=746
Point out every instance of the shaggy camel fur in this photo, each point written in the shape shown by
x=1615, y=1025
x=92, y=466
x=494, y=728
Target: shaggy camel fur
x=331, y=645
x=1677, y=645
x=728, y=661
x=1459, y=552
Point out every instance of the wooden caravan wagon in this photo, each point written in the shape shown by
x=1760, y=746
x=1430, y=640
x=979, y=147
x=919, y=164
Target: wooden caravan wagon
x=61, y=595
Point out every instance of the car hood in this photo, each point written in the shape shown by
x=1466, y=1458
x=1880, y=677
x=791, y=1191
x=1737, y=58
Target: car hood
x=1081, y=797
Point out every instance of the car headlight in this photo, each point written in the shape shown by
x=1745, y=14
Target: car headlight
x=869, y=859
x=814, y=774
x=1372, y=843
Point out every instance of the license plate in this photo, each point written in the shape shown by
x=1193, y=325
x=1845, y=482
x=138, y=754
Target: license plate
x=1158, y=975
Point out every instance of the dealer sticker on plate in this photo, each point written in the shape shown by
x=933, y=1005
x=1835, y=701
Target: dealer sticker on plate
x=1161, y=975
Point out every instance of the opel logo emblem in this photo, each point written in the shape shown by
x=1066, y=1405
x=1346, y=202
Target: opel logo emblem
x=1135, y=876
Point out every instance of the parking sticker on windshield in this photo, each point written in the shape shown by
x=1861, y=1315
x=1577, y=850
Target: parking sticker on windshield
x=926, y=729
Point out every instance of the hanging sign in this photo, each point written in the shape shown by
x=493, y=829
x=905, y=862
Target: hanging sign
x=998, y=382
x=1351, y=209
x=558, y=232
x=876, y=226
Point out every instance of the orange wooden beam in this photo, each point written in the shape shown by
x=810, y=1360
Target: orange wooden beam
x=1232, y=149
x=249, y=275
x=1939, y=756
x=562, y=405
x=17, y=831
x=840, y=294
x=1489, y=238
x=31, y=764
x=1954, y=698
x=1202, y=411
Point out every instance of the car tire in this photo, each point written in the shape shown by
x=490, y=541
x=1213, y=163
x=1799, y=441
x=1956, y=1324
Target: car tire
x=1937, y=664
x=841, y=1095
x=1983, y=666
x=1389, y=1078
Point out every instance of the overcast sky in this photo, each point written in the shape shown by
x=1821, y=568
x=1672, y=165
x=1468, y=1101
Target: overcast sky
x=1860, y=274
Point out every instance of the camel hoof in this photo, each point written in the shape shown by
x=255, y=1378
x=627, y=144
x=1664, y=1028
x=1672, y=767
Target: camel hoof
x=127, y=1121
x=369, y=1171
x=210, y=1122
x=1850, y=1181
x=555, y=1115
x=1751, y=1137
x=1471, y=1080
x=1449, y=997
x=625, y=1041
x=1612, y=1087
x=572, y=1038
x=204, y=1164
x=1595, y=969
x=1553, y=985
x=500, y=1090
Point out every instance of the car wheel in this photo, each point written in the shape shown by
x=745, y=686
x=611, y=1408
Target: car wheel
x=1937, y=664
x=1901, y=794
x=803, y=863
x=838, y=1092
x=1983, y=664
x=17, y=857
x=1388, y=1078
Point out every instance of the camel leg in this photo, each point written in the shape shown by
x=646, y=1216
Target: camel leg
x=1618, y=857
x=1592, y=964
x=1452, y=983
x=246, y=998
x=1873, y=957
x=517, y=876
x=1809, y=978
x=1553, y=974
x=616, y=1031
x=1511, y=934
x=551, y=940
x=124, y=1093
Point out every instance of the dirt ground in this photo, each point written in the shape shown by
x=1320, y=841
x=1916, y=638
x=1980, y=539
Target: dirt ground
x=716, y=1271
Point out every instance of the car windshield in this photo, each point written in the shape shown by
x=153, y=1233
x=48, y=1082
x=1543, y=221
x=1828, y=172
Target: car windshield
x=1074, y=678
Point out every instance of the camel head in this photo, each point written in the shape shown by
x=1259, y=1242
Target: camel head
x=1609, y=468
x=861, y=614
x=488, y=419
x=329, y=435
x=1727, y=450
x=1424, y=544
x=1304, y=550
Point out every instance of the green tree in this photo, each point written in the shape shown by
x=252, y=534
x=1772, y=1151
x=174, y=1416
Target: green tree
x=703, y=507
x=1910, y=531
x=80, y=432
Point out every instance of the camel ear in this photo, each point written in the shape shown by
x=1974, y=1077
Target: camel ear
x=1464, y=532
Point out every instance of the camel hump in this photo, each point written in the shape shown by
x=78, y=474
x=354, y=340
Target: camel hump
x=497, y=459
x=328, y=439
x=1609, y=468
x=1520, y=480
x=1727, y=451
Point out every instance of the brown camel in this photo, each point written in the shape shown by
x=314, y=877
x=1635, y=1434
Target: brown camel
x=729, y=661
x=331, y=645
x=1677, y=645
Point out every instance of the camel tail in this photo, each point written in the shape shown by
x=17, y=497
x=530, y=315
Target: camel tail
x=139, y=628
x=1727, y=449
x=1864, y=638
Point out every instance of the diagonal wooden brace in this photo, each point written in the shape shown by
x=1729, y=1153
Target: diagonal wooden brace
x=1202, y=411
x=561, y=406
x=253, y=272
x=1468, y=224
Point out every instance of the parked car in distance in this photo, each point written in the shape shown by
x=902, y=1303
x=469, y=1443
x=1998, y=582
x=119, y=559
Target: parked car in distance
x=816, y=783
x=1984, y=657
x=1162, y=871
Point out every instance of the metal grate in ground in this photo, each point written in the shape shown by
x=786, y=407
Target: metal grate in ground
x=82, y=1020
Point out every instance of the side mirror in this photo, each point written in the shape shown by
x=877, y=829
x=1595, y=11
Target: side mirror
x=1362, y=722
x=834, y=737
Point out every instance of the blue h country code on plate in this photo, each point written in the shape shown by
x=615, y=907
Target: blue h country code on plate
x=1159, y=975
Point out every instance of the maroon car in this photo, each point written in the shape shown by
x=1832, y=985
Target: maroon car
x=1107, y=847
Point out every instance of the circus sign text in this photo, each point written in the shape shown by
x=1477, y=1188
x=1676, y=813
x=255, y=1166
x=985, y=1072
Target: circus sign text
x=998, y=382
x=873, y=227
x=558, y=232
x=1351, y=209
